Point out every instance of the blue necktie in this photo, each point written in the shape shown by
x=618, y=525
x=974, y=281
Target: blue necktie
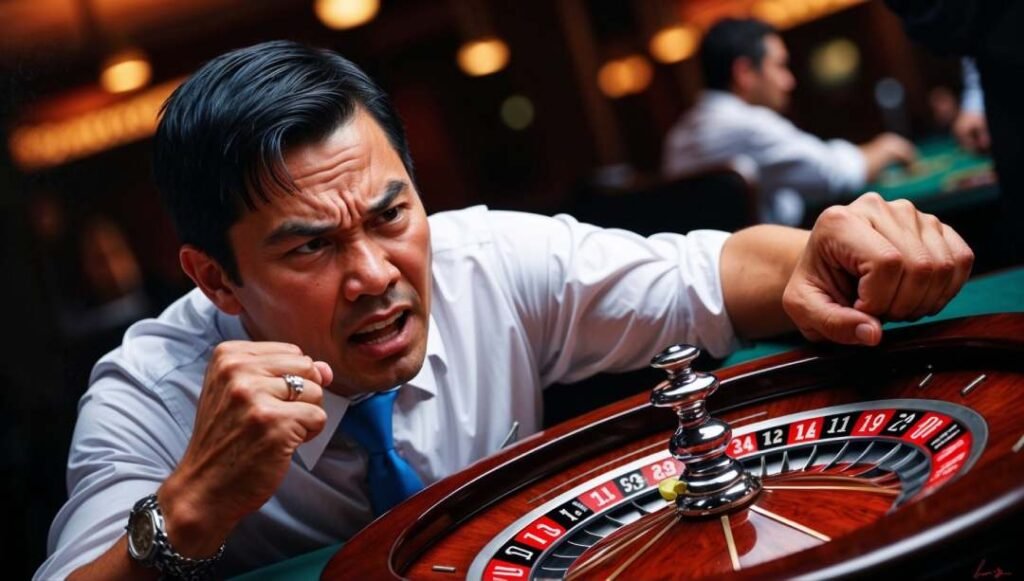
x=390, y=477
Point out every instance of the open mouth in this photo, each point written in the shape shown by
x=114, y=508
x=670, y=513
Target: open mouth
x=381, y=331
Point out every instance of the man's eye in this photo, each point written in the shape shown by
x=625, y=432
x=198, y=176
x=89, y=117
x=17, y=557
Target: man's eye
x=311, y=246
x=391, y=214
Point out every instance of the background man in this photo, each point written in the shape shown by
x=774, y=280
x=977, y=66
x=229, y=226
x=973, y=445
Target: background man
x=970, y=126
x=988, y=33
x=748, y=82
x=231, y=430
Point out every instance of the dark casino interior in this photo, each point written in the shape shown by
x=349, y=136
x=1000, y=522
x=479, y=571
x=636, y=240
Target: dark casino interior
x=533, y=105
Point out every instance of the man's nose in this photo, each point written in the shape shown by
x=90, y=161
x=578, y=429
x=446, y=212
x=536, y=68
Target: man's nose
x=368, y=271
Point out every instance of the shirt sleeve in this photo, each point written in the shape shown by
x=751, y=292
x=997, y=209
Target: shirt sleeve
x=789, y=157
x=121, y=451
x=595, y=299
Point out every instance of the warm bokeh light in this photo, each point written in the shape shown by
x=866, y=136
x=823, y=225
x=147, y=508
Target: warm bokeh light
x=342, y=14
x=125, y=71
x=517, y=112
x=835, y=62
x=483, y=56
x=675, y=43
x=774, y=12
x=784, y=14
x=625, y=76
x=55, y=142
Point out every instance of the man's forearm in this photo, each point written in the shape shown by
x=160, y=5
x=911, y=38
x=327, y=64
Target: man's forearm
x=756, y=264
x=191, y=533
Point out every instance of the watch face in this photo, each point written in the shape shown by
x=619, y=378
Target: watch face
x=141, y=535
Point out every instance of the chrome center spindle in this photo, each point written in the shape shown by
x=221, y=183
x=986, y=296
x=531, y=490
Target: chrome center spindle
x=712, y=482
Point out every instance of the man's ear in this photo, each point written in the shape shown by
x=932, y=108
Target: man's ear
x=744, y=76
x=211, y=278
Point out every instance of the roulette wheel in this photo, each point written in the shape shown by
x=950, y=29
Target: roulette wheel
x=827, y=461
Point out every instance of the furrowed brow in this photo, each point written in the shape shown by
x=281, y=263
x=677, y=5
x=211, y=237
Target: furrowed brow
x=391, y=191
x=294, y=229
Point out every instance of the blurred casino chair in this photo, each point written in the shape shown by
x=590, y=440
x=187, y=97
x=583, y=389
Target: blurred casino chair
x=721, y=197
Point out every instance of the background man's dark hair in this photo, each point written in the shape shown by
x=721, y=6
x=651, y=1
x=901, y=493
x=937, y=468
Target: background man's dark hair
x=224, y=132
x=726, y=41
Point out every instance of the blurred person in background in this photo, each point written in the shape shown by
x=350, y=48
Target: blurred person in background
x=970, y=126
x=739, y=114
x=989, y=33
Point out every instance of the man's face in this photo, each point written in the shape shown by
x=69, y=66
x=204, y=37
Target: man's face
x=342, y=267
x=773, y=82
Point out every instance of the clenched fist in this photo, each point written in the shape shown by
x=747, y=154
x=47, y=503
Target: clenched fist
x=873, y=261
x=247, y=427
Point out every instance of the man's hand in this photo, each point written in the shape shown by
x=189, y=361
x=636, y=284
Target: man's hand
x=971, y=131
x=245, y=433
x=884, y=150
x=871, y=261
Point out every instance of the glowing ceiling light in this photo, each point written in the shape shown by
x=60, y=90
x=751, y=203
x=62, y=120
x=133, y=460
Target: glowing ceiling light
x=126, y=70
x=52, y=143
x=342, y=14
x=483, y=56
x=626, y=76
x=675, y=43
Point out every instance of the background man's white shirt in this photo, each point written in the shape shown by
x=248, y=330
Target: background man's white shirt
x=794, y=168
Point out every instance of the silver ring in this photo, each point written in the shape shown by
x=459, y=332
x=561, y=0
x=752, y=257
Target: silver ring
x=295, y=385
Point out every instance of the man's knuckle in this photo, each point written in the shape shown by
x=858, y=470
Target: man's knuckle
x=921, y=266
x=903, y=206
x=239, y=391
x=262, y=415
x=833, y=216
x=890, y=260
x=319, y=418
x=872, y=198
x=965, y=257
x=230, y=363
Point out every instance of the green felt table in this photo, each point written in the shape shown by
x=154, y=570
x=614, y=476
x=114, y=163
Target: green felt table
x=944, y=178
x=992, y=293
x=999, y=292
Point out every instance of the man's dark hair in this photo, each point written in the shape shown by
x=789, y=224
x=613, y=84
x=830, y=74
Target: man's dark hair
x=224, y=132
x=728, y=40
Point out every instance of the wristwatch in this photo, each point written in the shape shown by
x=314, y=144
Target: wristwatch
x=148, y=544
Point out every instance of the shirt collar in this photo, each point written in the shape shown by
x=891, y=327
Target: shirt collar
x=229, y=326
x=716, y=96
x=434, y=365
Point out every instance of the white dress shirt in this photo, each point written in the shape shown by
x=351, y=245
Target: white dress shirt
x=794, y=168
x=519, y=302
x=972, y=99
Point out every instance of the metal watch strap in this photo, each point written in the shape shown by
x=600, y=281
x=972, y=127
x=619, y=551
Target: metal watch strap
x=168, y=561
